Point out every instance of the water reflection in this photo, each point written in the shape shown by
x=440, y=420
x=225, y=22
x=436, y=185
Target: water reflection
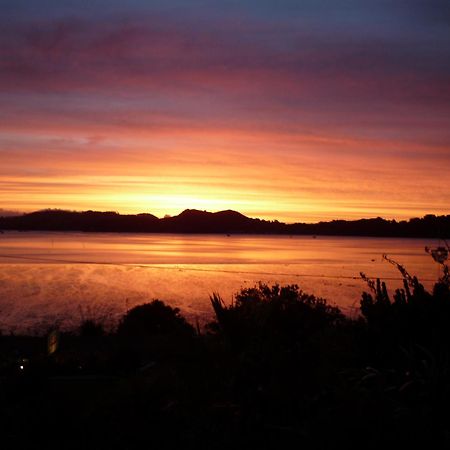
x=47, y=276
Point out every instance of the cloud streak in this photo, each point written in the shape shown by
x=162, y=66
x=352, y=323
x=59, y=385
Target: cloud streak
x=315, y=108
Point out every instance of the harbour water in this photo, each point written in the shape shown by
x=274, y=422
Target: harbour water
x=50, y=277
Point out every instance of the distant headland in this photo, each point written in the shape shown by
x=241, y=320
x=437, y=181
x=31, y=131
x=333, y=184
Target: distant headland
x=223, y=222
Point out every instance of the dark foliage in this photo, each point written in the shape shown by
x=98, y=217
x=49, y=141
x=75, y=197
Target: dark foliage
x=91, y=328
x=413, y=316
x=278, y=315
x=154, y=318
x=407, y=341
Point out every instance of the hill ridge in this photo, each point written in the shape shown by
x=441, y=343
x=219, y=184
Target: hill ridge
x=219, y=222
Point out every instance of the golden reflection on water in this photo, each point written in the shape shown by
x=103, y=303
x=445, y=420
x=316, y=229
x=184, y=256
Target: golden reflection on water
x=48, y=276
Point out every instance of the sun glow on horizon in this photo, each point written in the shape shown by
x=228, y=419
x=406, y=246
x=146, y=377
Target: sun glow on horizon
x=170, y=112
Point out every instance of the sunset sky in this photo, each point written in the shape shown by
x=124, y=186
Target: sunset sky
x=291, y=110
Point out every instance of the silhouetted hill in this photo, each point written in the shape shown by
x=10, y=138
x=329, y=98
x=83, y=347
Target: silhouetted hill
x=57, y=220
x=195, y=221
x=428, y=226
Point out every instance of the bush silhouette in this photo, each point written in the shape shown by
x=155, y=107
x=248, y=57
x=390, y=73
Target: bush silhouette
x=407, y=353
x=283, y=315
x=91, y=328
x=154, y=318
x=413, y=316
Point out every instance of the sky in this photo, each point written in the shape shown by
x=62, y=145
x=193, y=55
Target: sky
x=292, y=110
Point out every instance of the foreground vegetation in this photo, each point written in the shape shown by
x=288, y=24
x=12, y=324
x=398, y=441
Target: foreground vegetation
x=278, y=367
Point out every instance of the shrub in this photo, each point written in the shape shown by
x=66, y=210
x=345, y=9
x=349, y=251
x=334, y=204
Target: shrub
x=283, y=315
x=414, y=315
x=90, y=328
x=154, y=318
x=408, y=340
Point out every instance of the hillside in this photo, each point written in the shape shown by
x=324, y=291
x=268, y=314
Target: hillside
x=195, y=221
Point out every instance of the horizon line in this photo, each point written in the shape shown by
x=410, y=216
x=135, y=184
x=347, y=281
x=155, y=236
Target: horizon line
x=14, y=213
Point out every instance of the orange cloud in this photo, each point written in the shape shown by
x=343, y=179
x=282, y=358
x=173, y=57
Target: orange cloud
x=146, y=114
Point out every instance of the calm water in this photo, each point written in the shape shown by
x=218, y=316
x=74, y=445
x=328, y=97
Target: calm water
x=60, y=277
